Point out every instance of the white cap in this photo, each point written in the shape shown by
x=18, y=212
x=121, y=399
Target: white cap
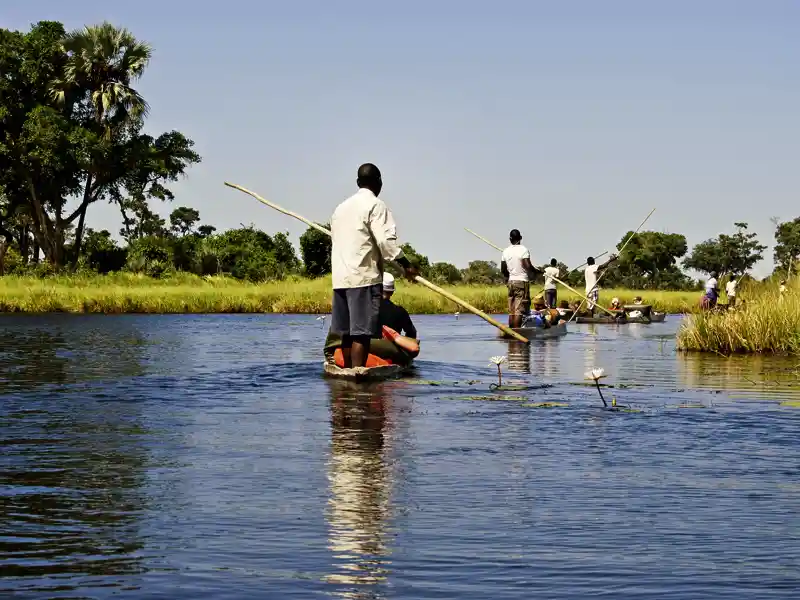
x=615, y=301
x=388, y=282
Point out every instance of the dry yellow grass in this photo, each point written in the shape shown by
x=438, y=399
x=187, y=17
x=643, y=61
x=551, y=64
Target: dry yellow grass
x=768, y=323
x=184, y=293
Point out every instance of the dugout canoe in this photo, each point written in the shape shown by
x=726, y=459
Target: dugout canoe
x=538, y=333
x=402, y=361
x=655, y=317
x=359, y=374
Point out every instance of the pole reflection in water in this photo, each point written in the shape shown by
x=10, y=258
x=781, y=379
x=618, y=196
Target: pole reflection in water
x=519, y=357
x=360, y=489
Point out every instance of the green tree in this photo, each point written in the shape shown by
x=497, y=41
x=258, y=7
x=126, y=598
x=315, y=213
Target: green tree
x=415, y=258
x=102, y=253
x=727, y=254
x=482, y=272
x=139, y=221
x=649, y=261
x=315, y=248
x=787, y=245
x=444, y=273
x=67, y=135
x=183, y=219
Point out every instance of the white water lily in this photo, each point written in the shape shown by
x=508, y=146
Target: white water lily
x=497, y=360
x=595, y=374
x=456, y=314
x=322, y=317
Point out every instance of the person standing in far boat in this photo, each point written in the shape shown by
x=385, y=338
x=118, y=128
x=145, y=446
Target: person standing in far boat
x=518, y=270
x=364, y=238
x=550, y=291
x=591, y=274
x=712, y=291
x=730, y=291
x=392, y=315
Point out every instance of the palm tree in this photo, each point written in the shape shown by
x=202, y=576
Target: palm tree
x=102, y=62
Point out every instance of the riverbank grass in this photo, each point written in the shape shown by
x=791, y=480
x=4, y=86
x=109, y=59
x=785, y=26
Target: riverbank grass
x=768, y=323
x=185, y=293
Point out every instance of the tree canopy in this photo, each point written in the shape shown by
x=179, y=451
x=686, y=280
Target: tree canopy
x=71, y=131
x=727, y=254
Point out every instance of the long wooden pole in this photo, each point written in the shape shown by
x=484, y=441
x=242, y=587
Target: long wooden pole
x=574, y=291
x=418, y=279
x=630, y=237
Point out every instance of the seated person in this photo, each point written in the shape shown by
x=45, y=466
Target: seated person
x=615, y=304
x=393, y=316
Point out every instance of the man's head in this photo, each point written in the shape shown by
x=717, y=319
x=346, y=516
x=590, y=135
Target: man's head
x=369, y=177
x=515, y=237
x=714, y=274
x=590, y=261
x=553, y=262
x=388, y=285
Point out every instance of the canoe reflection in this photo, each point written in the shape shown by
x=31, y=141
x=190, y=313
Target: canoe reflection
x=360, y=487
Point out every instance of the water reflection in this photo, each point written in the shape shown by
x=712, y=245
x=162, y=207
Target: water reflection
x=66, y=349
x=72, y=479
x=519, y=357
x=360, y=488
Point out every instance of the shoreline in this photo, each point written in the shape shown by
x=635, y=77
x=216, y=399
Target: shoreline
x=125, y=293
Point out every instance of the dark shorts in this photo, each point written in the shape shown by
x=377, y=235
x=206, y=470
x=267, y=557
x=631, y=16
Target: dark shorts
x=519, y=298
x=550, y=298
x=355, y=311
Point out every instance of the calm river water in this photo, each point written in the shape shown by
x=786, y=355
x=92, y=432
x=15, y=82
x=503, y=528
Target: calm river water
x=188, y=457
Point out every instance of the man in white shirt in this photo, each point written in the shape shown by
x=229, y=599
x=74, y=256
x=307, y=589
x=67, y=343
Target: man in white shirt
x=364, y=238
x=516, y=266
x=730, y=291
x=591, y=274
x=550, y=291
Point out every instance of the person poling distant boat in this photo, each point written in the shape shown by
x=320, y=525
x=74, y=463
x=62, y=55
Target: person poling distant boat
x=591, y=275
x=709, y=299
x=515, y=264
x=730, y=291
x=550, y=290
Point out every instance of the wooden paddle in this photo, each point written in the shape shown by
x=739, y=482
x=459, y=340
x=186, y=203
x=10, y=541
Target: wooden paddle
x=418, y=279
x=573, y=290
x=630, y=237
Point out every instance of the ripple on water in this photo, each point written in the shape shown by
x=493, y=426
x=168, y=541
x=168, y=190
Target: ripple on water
x=205, y=457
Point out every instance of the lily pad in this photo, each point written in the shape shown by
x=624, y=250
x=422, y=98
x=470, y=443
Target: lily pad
x=545, y=404
x=791, y=403
x=488, y=398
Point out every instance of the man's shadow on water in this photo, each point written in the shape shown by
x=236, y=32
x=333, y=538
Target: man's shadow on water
x=360, y=486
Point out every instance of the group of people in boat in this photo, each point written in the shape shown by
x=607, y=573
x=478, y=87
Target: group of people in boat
x=518, y=270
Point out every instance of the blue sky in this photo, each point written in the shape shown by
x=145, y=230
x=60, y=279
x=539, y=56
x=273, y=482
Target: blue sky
x=567, y=120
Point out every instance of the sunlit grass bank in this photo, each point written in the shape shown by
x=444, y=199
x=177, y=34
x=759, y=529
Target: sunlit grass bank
x=767, y=323
x=183, y=293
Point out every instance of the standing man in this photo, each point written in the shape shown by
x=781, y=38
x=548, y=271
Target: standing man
x=730, y=291
x=591, y=274
x=518, y=270
x=364, y=238
x=712, y=291
x=550, y=291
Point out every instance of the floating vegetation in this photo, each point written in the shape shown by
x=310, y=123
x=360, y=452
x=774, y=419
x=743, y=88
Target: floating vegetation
x=488, y=398
x=791, y=403
x=545, y=404
x=426, y=382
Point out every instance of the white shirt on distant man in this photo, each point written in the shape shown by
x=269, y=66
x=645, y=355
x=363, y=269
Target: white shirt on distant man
x=549, y=273
x=513, y=257
x=590, y=274
x=730, y=288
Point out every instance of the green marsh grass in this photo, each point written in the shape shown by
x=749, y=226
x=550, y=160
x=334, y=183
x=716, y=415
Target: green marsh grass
x=767, y=323
x=186, y=293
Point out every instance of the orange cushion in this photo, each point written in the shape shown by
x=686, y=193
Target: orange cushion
x=372, y=360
